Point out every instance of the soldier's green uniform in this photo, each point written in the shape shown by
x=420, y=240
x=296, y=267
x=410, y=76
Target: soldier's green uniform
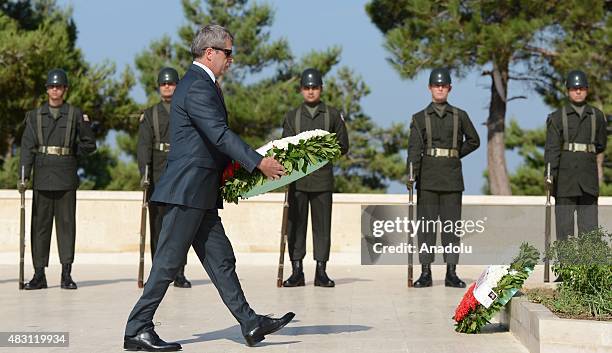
x=440, y=135
x=52, y=140
x=152, y=151
x=575, y=134
x=315, y=189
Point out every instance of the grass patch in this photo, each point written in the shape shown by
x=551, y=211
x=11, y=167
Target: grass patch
x=566, y=304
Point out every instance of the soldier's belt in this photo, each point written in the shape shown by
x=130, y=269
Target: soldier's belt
x=55, y=150
x=164, y=147
x=579, y=147
x=442, y=152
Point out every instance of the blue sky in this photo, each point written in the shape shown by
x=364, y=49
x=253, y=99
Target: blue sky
x=116, y=31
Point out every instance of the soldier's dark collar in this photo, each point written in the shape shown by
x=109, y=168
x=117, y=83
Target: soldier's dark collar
x=320, y=106
x=431, y=110
x=63, y=109
x=569, y=108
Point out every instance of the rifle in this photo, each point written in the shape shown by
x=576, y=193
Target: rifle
x=143, y=227
x=22, y=228
x=283, y=240
x=411, y=218
x=547, y=225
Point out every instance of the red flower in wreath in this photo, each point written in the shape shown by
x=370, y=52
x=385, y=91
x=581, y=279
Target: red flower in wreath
x=467, y=305
x=229, y=171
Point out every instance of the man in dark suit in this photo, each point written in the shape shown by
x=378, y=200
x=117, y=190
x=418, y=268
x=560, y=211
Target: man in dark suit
x=202, y=145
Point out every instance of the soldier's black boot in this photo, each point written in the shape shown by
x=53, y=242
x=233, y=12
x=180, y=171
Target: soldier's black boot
x=67, y=282
x=321, y=279
x=297, y=275
x=39, y=281
x=451, y=279
x=180, y=280
x=425, y=277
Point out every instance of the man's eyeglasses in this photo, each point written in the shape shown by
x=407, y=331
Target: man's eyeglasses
x=227, y=52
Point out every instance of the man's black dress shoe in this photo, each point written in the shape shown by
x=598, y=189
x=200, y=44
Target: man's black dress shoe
x=149, y=341
x=266, y=326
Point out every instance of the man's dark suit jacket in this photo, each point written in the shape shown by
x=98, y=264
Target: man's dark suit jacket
x=201, y=145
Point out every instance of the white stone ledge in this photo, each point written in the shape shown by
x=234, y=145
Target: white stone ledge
x=541, y=331
x=109, y=221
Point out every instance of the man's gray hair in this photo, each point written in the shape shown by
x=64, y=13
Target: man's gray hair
x=207, y=37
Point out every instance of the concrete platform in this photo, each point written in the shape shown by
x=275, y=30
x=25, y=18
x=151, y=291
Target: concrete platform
x=370, y=310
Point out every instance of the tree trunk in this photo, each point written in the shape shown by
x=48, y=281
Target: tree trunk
x=499, y=182
x=6, y=150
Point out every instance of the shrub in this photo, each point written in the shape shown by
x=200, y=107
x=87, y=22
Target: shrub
x=584, y=263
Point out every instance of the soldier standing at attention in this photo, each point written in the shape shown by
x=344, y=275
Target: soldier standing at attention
x=153, y=148
x=315, y=189
x=440, y=135
x=55, y=134
x=575, y=134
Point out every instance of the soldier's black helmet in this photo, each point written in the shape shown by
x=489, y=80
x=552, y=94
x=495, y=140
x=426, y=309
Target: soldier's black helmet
x=311, y=78
x=57, y=77
x=439, y=76
x=167, y=75
x=576, y=79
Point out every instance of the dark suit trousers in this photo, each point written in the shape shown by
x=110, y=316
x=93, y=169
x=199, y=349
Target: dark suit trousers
x=432, y=205
x=47, y=205
x=156, y=215
x=321, y=206
x=585, y=207
x=184, y=227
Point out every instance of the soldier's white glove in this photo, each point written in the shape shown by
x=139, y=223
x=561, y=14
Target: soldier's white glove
x=21, y=187
x=144, y=183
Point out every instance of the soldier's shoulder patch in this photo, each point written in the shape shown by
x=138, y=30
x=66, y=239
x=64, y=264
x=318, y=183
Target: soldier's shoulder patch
x=141, y=117
x=85, y=117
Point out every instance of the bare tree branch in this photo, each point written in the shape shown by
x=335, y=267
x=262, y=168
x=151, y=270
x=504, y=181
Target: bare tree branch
x=543, y=52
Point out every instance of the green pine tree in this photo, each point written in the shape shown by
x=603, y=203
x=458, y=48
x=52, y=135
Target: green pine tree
x=532, y=41
x=579, y=40
x=36, y=36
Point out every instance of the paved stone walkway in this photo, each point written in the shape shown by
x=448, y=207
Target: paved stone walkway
x=370, y=310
